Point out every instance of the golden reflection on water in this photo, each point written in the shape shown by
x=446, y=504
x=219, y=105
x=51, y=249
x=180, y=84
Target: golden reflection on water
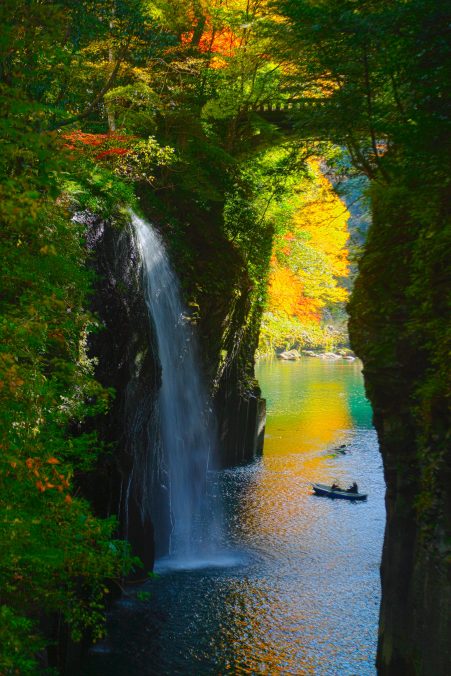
x=311, y=415
x=305, y=421
x=299, y=559
x=254, y=631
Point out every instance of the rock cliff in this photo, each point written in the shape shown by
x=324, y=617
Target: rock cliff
x=130, y=480
x=399, y=329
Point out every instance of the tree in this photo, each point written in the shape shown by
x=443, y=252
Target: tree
x=364, y=59
x=55, y=556
x=308, y=268
x=386, y=65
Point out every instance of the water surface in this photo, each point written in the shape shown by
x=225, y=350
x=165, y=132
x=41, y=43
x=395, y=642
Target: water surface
x=296, y=588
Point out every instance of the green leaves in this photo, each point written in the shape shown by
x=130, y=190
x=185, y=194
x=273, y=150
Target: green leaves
x=20, y=643
x=54, y=554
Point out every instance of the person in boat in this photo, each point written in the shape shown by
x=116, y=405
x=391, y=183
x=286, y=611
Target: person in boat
x=335, y=487
x=353, y=488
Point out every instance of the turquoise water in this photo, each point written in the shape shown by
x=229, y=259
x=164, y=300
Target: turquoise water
x=296, y=589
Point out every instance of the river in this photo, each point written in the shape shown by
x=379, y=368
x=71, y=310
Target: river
x=297, y=590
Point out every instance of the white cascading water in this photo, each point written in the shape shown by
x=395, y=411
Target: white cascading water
x=186, y=430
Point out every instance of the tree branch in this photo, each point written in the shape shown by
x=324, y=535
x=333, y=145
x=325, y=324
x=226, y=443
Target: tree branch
x=100, y=94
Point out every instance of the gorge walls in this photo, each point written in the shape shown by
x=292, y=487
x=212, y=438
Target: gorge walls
x=131, y=480
x=225, y=310
x=399, y=329
x=128, y=480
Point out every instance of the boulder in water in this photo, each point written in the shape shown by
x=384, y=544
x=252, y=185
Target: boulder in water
x=290, y=355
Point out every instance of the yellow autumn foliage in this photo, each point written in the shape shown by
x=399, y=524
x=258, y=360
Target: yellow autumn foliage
x=311, y=259
x=286, y=296
x=324, y=217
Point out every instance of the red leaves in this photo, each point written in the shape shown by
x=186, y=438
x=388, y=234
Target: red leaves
x=112, y=151
x=87, y=143
x=78, y=137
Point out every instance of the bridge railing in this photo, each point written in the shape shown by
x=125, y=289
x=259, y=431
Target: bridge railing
x=288, y=105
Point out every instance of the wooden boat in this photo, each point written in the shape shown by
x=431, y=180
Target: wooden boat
x=329, y=492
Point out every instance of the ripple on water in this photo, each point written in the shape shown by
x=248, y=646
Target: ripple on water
x=295, y=588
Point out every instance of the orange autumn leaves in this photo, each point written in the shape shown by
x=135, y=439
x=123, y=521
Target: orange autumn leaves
x=44, y=473
x=219, y=42
x=286, y=295
x=216, y=29
x=311, y=260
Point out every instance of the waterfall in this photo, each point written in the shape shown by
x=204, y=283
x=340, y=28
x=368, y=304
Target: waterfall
x=186, y=426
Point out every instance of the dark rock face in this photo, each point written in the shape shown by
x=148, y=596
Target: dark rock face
x=241, y=411
x=241, y=422
x=242, y=428
x=128, y=481
x=398, y=328
x=214, y=280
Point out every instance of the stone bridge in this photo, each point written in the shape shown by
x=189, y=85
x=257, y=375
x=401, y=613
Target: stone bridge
x=283, y=113
x=287, y=106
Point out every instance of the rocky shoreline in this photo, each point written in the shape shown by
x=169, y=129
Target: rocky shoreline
x=295, y=355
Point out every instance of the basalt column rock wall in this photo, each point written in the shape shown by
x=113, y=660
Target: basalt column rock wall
x=221, y=299
x=399, y=328
x=241, y=411
x=129, y=480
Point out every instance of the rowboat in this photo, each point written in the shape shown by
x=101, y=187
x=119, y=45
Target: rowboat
x=329, y=492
